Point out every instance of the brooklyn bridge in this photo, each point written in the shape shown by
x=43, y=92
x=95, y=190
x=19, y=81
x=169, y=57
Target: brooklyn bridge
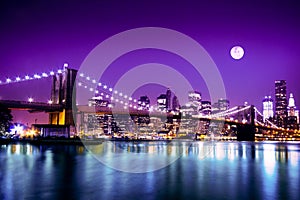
x=110, y=112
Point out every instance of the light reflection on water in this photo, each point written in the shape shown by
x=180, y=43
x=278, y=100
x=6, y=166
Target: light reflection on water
x=221, y=170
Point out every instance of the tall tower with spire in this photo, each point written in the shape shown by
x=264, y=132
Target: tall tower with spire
x=293, y=114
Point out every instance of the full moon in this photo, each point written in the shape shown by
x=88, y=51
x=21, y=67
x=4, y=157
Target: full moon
x=237, y=52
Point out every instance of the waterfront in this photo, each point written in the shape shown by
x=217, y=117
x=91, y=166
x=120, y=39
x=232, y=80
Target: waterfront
x=221, y=170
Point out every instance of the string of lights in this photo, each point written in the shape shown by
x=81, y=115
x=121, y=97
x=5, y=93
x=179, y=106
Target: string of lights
x=35, y=76
x=105, y=96
x=223, y=112
x=234, y=112
x=95, y=84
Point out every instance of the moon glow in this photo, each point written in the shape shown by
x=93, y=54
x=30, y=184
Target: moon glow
x=237, y=52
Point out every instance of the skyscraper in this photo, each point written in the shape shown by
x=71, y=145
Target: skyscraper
x=293, y=114
x=161, y=102
x=175, y=104
x=280, y=102
x=206, y=108
x=195, y=100
x=168, y=99
x=223, y=104
x=267, y=108
x=144, y=103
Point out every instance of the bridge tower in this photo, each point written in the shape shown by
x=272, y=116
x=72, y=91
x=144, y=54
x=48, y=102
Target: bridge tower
x=246, y=132
x=61, y=93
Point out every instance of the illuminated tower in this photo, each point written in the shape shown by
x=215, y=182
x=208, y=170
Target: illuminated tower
x=291, y=106
x=280, y=102
x=267, y=108
x=293, y=113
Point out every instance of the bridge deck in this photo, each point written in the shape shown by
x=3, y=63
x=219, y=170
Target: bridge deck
x=31, y=106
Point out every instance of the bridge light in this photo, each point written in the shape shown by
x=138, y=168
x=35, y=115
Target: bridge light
x=51, y=73
x=59, y=71
x=36, y=76
x=116, y=92
x=111, y=98
x=18, y=79
x=91, y=89
x=99, y=84
x=121, y=94
x=85, y=86
x=117, y=100
x=81, y=75
x=94, y=81
x=8, y=80
x=44, y=75
x=88, y=78
x=125, y=96
x=110, y=89
x=134, y=107
x=134, y=100
x=30, y=99
x=121, y=102
x=50, y=102
x=125, y=107
x=96, y=91
x=66, y=64
x=79, y=84
x=107, y=96
x=130, y=105
x=105, y=86
x=130, y=99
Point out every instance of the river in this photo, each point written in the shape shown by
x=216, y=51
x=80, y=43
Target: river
x=151, y=170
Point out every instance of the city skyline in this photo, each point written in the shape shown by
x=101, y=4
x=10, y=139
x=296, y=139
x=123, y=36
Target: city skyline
x=35, y=37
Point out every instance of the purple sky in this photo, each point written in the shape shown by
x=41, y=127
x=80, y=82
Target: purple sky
x=42, y=35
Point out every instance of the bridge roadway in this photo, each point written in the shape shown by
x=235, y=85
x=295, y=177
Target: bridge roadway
x=31, y=106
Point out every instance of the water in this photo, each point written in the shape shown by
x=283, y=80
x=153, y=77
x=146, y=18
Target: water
x=196, y=170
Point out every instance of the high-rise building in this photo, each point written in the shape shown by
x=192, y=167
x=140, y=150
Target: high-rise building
x=206, y=108
x=268, y=108
x=168, y=99
x=175, y=104
x=223, y=104
x=280, y=103
x=162, y=102
x=293, y=113
x=144, y=103
x=195, y=99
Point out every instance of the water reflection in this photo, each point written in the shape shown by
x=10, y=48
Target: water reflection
x=226, y=170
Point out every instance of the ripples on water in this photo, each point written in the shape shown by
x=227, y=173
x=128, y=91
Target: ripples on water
x=151, y=170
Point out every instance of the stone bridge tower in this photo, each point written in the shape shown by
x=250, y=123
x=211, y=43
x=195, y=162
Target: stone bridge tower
x=63, y=84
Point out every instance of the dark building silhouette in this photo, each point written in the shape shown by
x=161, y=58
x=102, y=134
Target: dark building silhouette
x=168, y=99
x=175, y=104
